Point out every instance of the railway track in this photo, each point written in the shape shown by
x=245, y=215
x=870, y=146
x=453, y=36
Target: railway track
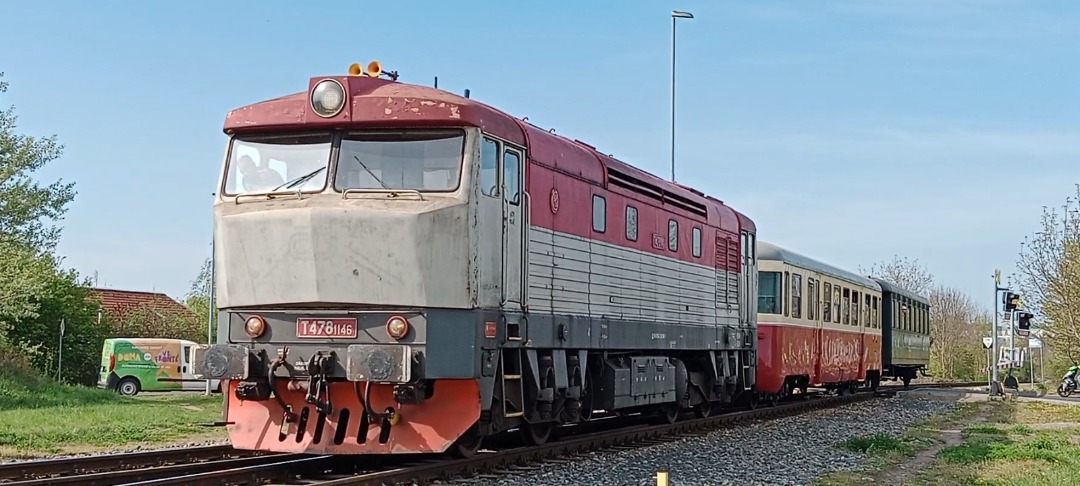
x=96, y=469
x=221, y=465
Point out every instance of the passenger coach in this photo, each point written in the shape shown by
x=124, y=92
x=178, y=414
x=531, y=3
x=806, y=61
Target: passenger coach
x=818, y=325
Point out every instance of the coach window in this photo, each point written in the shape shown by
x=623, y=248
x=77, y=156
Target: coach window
x=673, y=235
x=631, y=223
x=855, y=311
x=847, y=306
x=811, y=299
x=874, y=313
x=696, y=243
x=785, y=302
x=866, y=311
x=512, y=176
x=836, y=304
x=769, y=292
x=489, y=168
x=826, y=309
x=599, y=214
x=796, y=296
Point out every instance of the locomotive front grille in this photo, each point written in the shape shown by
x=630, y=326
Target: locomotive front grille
x=380, y=363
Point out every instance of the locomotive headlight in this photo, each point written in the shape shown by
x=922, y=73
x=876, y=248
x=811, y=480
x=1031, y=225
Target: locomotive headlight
x=397, y=327
x=255, y=326
x=327, y=98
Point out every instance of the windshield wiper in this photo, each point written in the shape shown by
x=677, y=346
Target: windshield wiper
x=384, y=186
x=299, y=180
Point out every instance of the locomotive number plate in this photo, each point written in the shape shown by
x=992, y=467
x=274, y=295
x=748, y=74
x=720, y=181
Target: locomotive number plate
x=338, y=327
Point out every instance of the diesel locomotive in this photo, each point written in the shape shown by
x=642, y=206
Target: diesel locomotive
x=401, y=269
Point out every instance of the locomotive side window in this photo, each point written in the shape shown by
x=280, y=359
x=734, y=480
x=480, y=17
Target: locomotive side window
x=489, y=168
x=599, y=213
x=631, y=223
x=267, y=163
x=422, y=160
x=512, y=176
x=812, y=300
x=826, y=309
x=673, y=235
x=769, y=292
x=696, y=242
x=796, y=296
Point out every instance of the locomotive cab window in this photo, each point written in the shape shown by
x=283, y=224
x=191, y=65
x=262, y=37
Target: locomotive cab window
x=696, y=243
x=599, y=213
x=769, y=292
x=874, y=314
x=631, y=223
x=424, y=160
x=673, y=235
x=489, y=168
x=268, y=163
x=512, y=176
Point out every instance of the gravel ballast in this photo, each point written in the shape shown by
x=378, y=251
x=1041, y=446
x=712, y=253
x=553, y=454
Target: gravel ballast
x=791, y=451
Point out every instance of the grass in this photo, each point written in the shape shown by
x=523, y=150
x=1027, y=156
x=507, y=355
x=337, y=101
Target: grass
x=38, y=416
x=879, y=444
x=1020, y=444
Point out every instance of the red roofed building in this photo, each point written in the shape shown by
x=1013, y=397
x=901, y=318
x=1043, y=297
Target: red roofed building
x=155, y=308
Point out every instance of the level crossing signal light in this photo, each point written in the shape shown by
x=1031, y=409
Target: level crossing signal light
x=1023, y=320
x=1011, y=301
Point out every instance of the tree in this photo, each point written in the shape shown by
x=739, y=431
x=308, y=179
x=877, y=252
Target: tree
x=26, y=208
x=909, y=274
x=24, y=275
x=67, y=298
x=953, y=315
x=1049, y=277
x=198, y=298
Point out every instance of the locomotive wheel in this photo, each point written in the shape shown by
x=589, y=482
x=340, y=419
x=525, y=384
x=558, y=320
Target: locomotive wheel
x=671, y=413
x=467, y=445
x=537, y=434
x=703, y=409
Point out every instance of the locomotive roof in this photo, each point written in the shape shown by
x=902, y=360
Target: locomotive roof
x=887, y=286
x=769, y=251
x=382, y=102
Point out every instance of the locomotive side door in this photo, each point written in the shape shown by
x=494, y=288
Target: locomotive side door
x=513, y=261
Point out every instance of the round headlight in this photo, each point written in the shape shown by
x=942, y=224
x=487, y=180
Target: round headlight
x=397, y=327
x=255, y=326
x=327, y=98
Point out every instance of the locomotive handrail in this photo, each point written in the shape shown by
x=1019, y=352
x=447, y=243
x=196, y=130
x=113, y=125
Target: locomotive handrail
x=389, y=192
x=525, y=253
x=268, y=194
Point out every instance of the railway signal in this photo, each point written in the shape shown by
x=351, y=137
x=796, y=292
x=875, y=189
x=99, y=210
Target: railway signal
x=1011, y=301
x=1023, y=320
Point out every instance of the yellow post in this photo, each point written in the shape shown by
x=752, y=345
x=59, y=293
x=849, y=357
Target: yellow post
x=662, y=477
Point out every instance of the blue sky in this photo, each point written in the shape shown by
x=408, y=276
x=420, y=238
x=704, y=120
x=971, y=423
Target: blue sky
x=849, y=130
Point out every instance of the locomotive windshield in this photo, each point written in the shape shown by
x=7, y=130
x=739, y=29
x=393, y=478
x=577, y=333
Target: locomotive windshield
x=264, y=164
x=424, y=160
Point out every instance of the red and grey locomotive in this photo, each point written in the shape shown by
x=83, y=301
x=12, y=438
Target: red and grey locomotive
x=401, y=269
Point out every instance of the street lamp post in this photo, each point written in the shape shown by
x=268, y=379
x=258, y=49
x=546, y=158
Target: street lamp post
x=675, y=15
